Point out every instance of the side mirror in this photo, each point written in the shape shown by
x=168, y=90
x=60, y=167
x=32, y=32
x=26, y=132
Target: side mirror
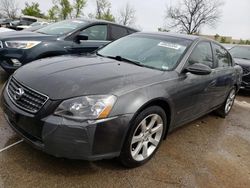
x=198, y=69
x=81, y=37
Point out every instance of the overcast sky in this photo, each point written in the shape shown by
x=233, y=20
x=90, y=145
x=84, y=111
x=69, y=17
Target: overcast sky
x=235, y=19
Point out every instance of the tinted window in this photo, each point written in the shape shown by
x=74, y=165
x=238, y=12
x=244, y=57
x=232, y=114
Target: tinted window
x=118, y=32
x=222, y=56
x=130, y=31
x=97, y=32
x=202, y=54
x=154, y=52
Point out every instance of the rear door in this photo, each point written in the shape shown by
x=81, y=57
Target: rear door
x=224, y=73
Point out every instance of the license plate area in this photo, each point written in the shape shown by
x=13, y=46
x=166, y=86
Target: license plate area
x=11, y=115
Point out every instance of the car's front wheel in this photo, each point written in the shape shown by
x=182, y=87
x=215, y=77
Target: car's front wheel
x=144, y=137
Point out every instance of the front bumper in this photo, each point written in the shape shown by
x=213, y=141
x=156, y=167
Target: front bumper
x=57, y=136
x=9, y=57
x=245, y=84
x=12, y=59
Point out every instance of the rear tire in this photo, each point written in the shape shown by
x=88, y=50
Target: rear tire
x=224, y=110
x=144, y=138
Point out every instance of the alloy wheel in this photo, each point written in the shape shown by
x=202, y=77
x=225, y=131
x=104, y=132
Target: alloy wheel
x=230, y=101
x=146, y=137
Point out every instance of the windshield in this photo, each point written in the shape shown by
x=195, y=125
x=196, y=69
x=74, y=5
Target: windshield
x=62, y=27
x=156, y=52
x=242, y=52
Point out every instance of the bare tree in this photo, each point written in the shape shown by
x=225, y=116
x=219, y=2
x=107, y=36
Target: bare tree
x=103, y=10
x=78, y=6
x=190, y=15
x=101, y=7
x=9, y=8
x=126, y=15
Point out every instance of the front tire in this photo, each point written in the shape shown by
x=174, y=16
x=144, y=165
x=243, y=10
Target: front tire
x=224, y=110
x=144, y=137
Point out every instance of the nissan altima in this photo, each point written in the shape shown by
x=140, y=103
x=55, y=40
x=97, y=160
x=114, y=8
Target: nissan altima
x=123, y=100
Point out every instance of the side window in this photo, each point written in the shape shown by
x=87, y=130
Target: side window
x=222, y=56
x=97, y=32
x=202, y=54
x=118, y=32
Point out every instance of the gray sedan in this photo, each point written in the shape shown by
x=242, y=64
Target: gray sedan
x=123, y=100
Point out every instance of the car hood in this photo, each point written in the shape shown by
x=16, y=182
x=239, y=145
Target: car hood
x=242, y=62
x=71, y=76
x=22, y=35
x=2, y=29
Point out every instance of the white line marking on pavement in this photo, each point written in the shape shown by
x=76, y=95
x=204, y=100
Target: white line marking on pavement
x=8, y=147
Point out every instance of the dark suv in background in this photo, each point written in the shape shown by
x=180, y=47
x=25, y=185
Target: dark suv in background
x=66, y=37
x=241, y=55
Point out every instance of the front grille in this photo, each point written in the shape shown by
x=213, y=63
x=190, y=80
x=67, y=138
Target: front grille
x=246, y=71
x=24, y=97
x=246, y=78
x=1, y=44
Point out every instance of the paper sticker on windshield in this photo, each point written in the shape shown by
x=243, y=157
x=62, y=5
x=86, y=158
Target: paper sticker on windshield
x=165, y=67
x=169, y=45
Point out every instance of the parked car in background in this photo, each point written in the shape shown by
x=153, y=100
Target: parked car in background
x=23, y=22
x=65, y=37
x=229, y=46
x=3, y=29
x=241, y=55
x=5, y=22
x=35, y=24
x=123, y=100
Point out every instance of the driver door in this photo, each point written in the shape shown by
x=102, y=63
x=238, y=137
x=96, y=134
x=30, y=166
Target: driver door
x=197, y=90
x=97, y=36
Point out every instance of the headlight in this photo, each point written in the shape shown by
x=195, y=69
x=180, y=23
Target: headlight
x=21, y=44
x=86, y=108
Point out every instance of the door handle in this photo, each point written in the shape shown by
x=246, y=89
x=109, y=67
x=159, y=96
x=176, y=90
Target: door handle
x=210, y=85
x=213, y=83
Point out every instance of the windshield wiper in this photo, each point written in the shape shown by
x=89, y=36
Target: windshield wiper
x=119, y=58
x=39, y=32
x=242, y=58
x=245, y=58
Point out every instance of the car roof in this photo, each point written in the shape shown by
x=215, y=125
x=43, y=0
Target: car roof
x=177, y=35
x=103, y=21
x=242, y=45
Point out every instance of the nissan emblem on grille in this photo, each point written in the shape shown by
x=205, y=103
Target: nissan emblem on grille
x=25, y=98
x=18, y=93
